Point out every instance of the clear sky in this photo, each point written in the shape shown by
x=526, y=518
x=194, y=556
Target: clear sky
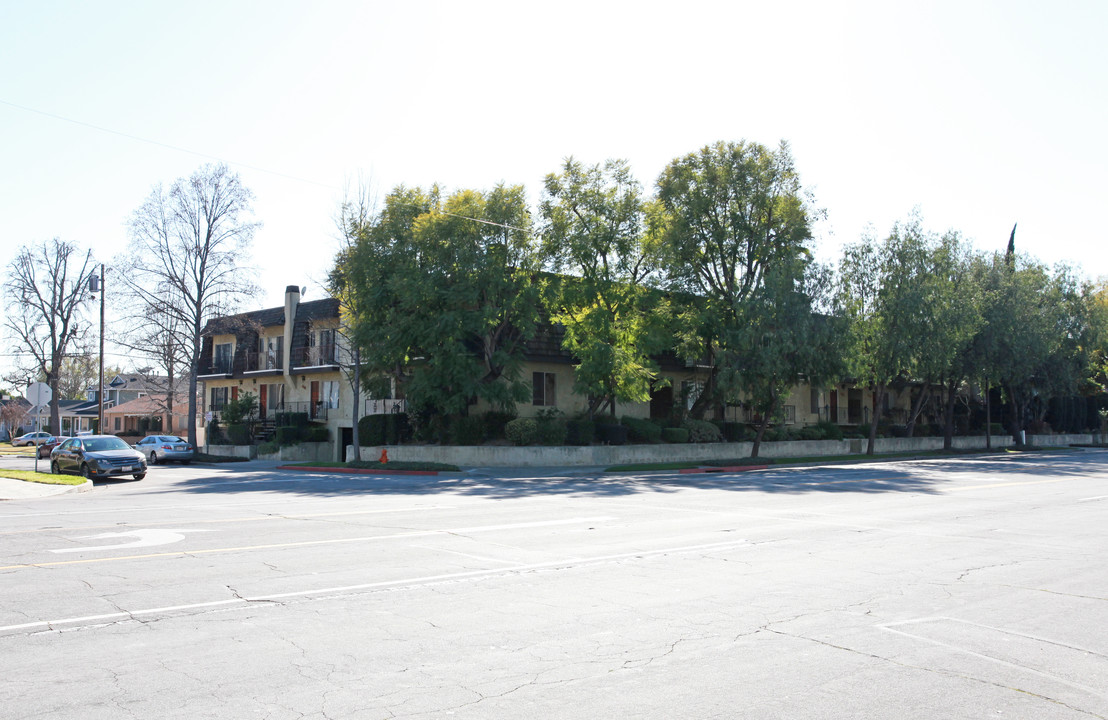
x=982, y=114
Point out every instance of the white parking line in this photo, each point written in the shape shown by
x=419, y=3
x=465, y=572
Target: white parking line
x=323, y=593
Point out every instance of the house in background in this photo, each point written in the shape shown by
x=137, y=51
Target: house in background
x=148, y=414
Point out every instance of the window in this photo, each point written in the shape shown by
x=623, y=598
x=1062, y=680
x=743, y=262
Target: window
x=691, y=390
x=275, y=396
x=272, y=351
x=222, y=358
x=329, y=398
x=117, y=419
x=815, y=401
x=544, y=389
x=218, y=398
x=326, y=348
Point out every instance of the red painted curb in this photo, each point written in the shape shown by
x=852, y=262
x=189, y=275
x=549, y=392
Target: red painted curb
x=731, y=468
x=358, y=471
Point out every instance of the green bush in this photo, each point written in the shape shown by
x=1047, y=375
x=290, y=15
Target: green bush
x=239, y=410
x=467, y=430
x=702, y=431
x=268, y=448
x=611, y=433
x=494, y=423
x=551, y=431
x=238, y=434
x=642, y=431
x=522, y=431
x=732, y=431
x=289, y=435
x=317, y=433
x=389, y=429
x=580, y=431
x=830, y=430
x=675, y=435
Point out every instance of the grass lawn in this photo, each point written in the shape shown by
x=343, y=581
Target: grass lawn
x=374, y=465
x=46, y=478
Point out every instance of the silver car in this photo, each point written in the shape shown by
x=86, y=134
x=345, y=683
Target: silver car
x=158, y=448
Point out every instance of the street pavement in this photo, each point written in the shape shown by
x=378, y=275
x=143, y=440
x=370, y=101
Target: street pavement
x=958, y=588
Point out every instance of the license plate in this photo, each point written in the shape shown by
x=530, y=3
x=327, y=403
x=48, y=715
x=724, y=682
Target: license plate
x=126, y=468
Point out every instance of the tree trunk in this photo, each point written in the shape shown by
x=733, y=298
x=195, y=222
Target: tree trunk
x=357, y=402
x=918, y=403
x=704, y=400
x=878, y=400
x=766, y=415
x=948, y=416
x=1017, y=415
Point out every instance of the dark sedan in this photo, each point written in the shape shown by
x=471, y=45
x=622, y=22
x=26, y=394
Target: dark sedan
x=96, y=456
x=47, y=447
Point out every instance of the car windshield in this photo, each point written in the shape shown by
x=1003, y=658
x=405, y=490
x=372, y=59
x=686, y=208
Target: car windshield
x=105, y=443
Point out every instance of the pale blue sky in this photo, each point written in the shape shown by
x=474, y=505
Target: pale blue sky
x=981, y=113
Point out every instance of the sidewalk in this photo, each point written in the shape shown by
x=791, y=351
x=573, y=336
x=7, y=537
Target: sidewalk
x=11, y=489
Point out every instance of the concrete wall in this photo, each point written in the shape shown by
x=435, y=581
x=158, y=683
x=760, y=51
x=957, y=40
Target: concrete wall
x=604, y=455
x=304, y=452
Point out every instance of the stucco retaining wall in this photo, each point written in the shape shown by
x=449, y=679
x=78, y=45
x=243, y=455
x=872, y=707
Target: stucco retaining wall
x=605, y=455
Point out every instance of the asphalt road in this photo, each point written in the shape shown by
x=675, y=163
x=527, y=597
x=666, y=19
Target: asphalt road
x=964, y=588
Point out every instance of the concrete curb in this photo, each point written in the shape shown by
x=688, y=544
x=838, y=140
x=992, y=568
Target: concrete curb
x=358, y=471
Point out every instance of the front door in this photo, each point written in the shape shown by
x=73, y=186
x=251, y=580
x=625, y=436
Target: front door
x=833, y=400
x=261, y=401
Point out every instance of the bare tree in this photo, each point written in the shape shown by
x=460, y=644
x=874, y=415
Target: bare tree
x=189, y=244
x=354, y=215
x=45, y=292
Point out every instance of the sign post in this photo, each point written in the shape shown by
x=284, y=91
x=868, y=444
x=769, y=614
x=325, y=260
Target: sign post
x=38, y=394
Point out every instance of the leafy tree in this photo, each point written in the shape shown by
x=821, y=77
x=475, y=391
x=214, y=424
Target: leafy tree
x=593, y=236
x=188, y=244
x=883, y=287
x=440, y=296
x=45, y=291
x=730, y=212
x=781, y=336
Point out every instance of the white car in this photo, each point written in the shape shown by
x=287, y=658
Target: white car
x=35, y=438
x=160, y=448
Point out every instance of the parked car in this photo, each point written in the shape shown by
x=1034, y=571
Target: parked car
x=34, y=438
x=158, y=448
x=45, y=449
x=97, y=456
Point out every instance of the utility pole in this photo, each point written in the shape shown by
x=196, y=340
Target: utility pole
x=96, y=285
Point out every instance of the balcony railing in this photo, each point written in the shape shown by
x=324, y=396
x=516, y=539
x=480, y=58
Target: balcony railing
x=221, y=366
x=259, y=361
x=384, y=407
x=319, y=356
x=750, y=417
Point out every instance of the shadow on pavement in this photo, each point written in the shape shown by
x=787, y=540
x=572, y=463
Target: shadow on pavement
x=904, y=476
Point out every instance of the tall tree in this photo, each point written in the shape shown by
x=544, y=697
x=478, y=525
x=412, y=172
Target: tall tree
x=732, y=212
x=45, y=291
x=782, y=335
x=594, y=238
x=440, y=296
x=190, y=243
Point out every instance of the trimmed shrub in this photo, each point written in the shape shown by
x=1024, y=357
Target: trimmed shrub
x=702, y=431
x=238, y=434
x=390, y=429
x=268, y=448
x=732, y=431
x=466, y=430
x=611, y=433
x=495, y=421
x=675, y=435
x=641, y=431
x=551, y=431
x=295, y=419
x=317, y=433
x=830, y=430
x=522, y=431
x=288, y=435
x=580, y=431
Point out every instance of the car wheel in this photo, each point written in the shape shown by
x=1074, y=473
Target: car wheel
x=139, y=476
x=85, y=472
x=153, y=458
x=55, y=469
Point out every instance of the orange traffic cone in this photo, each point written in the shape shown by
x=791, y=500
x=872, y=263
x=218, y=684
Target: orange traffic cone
x=384, y=456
